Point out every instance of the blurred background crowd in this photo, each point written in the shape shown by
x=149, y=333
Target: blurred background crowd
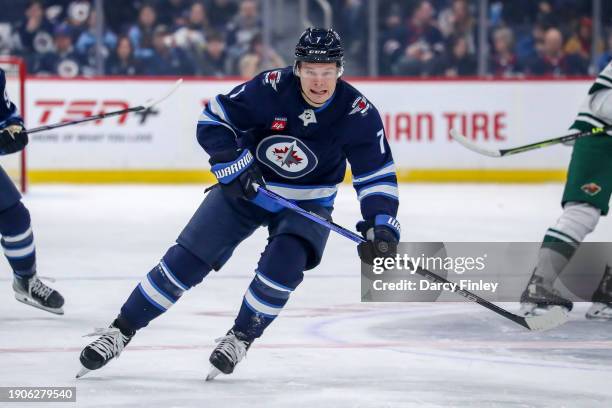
x=416, y=38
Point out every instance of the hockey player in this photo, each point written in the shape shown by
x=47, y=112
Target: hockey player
x=585, y=199
x=291, y=130
x=17, y=237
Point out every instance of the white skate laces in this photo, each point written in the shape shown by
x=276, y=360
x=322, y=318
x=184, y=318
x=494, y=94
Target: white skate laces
x=231, y=347
x=36, y=287
x=111, y=343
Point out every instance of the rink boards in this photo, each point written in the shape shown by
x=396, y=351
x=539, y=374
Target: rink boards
x=160, y=145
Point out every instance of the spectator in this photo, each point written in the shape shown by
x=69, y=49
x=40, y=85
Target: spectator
x=64, y=61
x=77, y=15
x=457, y=61
x=529, y=46
x=141, y=34
x=457, y=21
x=351, y=20
x=213, y=61
x=191, y=37
x=504, y=62
x=120, y=14
x=35, y=32
x=391, y=38
x=166, y=58
x=243, y=27
x=605, y=58
x=86, y=43
x=581, y=42
x=422, y=42
x=221, y=12
x=173, y=13
x=259, y=58
x=121, y=60
x=553, y=61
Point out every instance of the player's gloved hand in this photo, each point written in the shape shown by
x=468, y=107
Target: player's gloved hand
x=238, y=174
x=13, y=138
x=382, y=235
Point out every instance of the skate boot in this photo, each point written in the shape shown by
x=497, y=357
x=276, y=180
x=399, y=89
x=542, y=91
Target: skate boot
x=602, y=299
x=538, y=299
x=31, y=291
x=229, y=352
x=109, y=345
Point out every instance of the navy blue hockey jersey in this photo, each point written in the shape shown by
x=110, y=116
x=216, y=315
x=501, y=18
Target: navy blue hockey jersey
x=8, y=111
x=302, y=150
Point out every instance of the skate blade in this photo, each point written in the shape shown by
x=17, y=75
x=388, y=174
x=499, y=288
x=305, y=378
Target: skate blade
x=82, y=372
x=214, y=371
x=595, y=313
x=26, y=300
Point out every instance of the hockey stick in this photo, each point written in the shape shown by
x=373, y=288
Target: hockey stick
x=146, y=105
x=554, y=318
x=525, y=148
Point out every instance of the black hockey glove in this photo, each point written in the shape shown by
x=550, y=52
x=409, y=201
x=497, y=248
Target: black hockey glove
x=236, y=172
x=13, y=138
x=382, y=235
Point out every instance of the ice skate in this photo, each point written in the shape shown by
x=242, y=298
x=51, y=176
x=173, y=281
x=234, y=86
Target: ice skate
x=109, y=345
x=229, y=352
x=601, y=309
x=538, y=299
x=32, y=291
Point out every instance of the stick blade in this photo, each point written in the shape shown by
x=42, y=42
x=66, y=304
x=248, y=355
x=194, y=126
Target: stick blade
x=472, y=146
x=152, y=101
x=554, y=318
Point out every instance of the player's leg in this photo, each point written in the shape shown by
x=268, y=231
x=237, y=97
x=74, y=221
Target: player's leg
x=295, y=244
x=18, y=247
x=558, y=247
x=206, y=243
x=585, y=198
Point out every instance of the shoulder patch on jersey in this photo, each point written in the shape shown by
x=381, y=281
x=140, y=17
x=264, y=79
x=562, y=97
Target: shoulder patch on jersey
x=287, y=156
x=360, y=105
x=272, y=78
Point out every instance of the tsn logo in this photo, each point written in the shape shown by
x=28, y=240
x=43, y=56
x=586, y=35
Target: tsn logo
x=60, y=110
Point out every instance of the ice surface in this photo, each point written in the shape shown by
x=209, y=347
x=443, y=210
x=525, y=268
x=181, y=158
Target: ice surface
x=326, y=349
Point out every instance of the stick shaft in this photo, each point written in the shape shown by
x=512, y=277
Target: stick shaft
x=425, y=273
x=86, y=119
x=554, y=141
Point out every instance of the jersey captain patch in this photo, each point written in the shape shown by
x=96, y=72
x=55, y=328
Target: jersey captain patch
x=287, y=156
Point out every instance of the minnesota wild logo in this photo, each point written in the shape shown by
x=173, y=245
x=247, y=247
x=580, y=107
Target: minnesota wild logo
x=591, y=188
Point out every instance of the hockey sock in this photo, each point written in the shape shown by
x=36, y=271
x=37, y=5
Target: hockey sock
x=178, y=271
x=562, y=240
x=279, y=271
x=18, y=240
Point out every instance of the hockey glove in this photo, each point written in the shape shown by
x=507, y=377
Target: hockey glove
x=382, y=235
x=13, y=138
x=237, y=172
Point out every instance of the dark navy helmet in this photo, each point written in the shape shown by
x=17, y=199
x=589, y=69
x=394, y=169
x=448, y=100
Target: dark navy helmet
x=319, y=45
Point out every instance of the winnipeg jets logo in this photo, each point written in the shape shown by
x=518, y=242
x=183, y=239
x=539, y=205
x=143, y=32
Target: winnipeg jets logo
x=360, y=105
x=287, y=156
x=308, y=117
x=272, y=78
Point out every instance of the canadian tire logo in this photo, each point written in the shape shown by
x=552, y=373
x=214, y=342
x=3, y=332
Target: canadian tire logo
x=591, y=188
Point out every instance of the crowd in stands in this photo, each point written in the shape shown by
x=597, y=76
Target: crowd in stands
x=224, y=37
x=524, y=37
